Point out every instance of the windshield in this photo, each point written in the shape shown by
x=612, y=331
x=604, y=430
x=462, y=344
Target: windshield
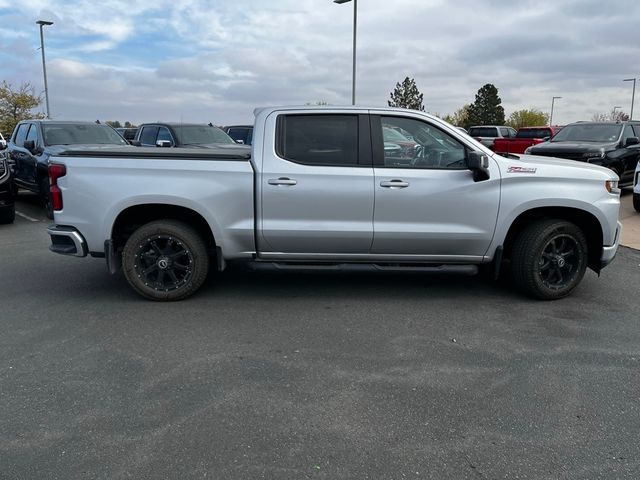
x=589, y=132
x=80, y=134
x=201, y=135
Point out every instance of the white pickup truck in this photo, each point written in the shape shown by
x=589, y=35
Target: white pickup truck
x=335, y=187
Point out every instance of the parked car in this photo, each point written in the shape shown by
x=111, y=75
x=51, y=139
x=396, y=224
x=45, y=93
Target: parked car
x=615, y=145
x=128, y=133
x=188, y=135
x=240, y=133
x=525, y=137
x=486, y=134
x=7, y=207
x=636, y=189
x=304, y=197
x=34, y=141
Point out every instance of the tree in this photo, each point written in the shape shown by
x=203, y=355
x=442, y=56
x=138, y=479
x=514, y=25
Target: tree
x=487, y=109
x=615, y=116
x=128, y=124
x=114, y=124
x=407, y=95
x=460, y=117
x=16, y=105
x=527, y=118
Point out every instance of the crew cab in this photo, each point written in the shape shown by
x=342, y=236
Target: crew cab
x=615, y=145
x=488, y=134
x=525, y=137
x=322, y=188
x=34, y=141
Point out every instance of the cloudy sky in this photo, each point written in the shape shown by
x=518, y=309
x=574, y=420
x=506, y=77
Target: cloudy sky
x=216, y=60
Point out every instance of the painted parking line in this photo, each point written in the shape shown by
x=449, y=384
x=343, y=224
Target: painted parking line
x=27, y=217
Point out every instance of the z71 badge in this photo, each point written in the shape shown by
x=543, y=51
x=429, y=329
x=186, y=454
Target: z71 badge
x=521, y=170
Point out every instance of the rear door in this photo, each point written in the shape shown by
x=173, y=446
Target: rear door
x=427, y=203
x=316, y=185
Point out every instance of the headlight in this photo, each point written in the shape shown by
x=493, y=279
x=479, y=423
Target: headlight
x=612, y=186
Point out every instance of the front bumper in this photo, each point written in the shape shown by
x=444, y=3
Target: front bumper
x=67, y=241
x=609, y=252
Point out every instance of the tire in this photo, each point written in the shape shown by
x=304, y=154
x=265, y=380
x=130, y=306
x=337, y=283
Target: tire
x=549, y=259
x=636, y=201
x=45, y=196
x=165, y=260
x=7, y=215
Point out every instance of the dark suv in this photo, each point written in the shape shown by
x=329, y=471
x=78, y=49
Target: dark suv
x=615, y=145
x=33, y=141
x=187, y=135
x=7, y=207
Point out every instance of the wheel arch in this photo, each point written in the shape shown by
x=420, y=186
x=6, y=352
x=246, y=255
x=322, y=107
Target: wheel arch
x=131, y=218
x=586, y=221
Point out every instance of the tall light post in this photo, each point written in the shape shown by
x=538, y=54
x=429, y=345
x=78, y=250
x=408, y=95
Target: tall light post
x=633, y=95
x=553, y=101
x=43, y=23
x=355, y=28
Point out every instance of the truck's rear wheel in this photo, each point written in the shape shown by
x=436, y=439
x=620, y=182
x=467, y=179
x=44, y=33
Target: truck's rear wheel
x=165, y=260
x=549, y=259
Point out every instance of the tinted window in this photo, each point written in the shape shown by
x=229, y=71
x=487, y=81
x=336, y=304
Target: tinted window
x=411, y=143
x=148, y=135
x=243, y=134
x=589, y=132
x=164, y=134
x=319, y=139
x=534, y=133
x=21, y=134
x=628, y=133
x=80, y=134
x=201, y=135
x=33, y=134
x=483, y=132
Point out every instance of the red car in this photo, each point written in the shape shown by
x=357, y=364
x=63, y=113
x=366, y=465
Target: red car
x=525, y=137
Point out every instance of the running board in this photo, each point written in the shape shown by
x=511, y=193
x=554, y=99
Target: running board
x=262, y=266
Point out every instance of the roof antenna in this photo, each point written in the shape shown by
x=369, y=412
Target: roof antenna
x=98, y=122
x=210, y=124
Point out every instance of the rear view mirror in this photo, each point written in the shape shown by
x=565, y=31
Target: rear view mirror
x=632, y=141
x=478, y=163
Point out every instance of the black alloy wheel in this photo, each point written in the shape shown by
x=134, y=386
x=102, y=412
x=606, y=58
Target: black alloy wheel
x=549, y=258
x=165, y=260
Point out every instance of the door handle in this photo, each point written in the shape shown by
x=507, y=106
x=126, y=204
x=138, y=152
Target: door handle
x=282, y=181
x=394, y=184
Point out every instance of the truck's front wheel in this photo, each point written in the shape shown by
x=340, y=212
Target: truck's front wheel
x=549, y=259
x=165, y=260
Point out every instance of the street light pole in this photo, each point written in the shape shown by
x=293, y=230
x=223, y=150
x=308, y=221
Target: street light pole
x=42, y=23
x=355, y=28
x=633, y=95
x=553, y=101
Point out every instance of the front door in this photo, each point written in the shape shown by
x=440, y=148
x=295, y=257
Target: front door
x=316, y=186
x=426, y=200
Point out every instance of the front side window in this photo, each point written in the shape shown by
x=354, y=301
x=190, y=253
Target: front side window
x=21, y=134
x=33, y=134
x=483, y=132
x=505, y=132
x=412, y=143
x=164, y=134
x=320, y=139
x=148, y=135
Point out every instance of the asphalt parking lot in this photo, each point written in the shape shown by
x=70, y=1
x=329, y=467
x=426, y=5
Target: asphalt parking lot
x=327, y=376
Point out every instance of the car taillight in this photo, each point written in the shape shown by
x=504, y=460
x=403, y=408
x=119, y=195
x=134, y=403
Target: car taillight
x=56, y=170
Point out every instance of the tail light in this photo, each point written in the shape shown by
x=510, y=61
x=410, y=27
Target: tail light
x=56, y=171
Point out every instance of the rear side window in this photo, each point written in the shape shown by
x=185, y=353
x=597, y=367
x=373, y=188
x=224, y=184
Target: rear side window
x=148, y=135
x=330, y=140
x=21, y=134
x=483, y=132
x=534, y=133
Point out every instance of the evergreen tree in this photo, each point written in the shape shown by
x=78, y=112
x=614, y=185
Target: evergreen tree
x=487, y=109
x=407, y=95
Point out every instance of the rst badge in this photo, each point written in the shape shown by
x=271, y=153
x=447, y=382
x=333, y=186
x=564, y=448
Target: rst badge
x=513, y=169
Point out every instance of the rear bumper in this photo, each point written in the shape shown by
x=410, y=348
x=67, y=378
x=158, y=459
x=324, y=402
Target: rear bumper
x=609, y=252
x=67, y=241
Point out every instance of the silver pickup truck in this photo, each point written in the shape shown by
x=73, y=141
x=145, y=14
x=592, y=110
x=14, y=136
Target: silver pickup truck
x=350, y=187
